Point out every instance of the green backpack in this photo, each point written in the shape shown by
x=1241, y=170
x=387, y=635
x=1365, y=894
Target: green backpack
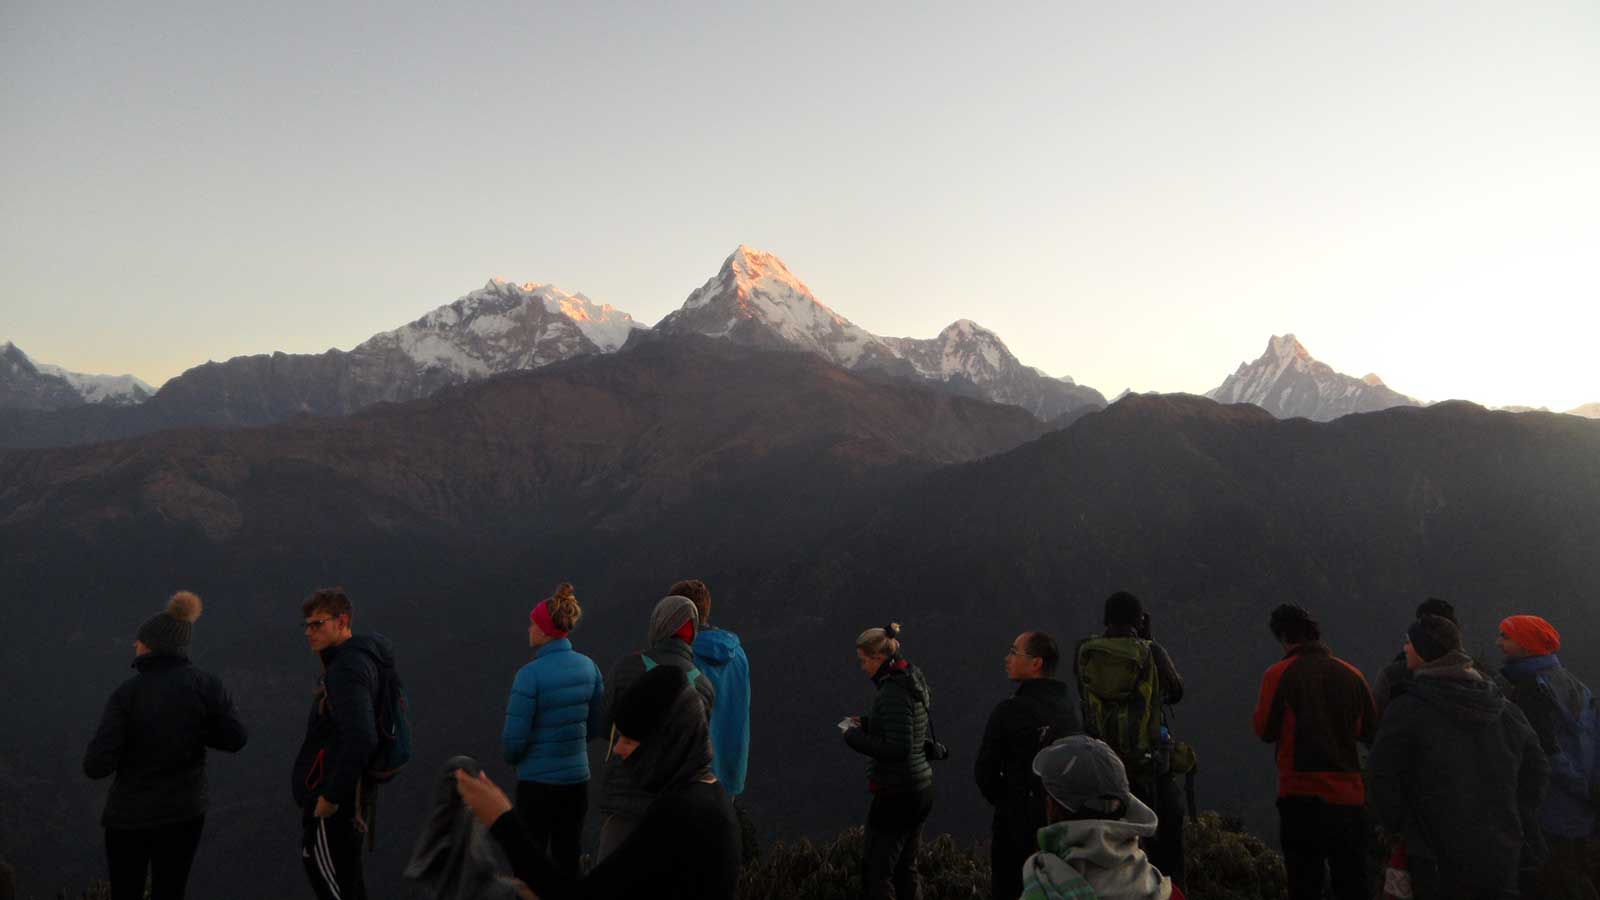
x=1121, y=693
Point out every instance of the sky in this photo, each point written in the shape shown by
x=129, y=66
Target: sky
x=1136, y=195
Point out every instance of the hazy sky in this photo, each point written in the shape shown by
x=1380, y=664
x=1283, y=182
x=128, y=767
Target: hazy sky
x=1132, y=194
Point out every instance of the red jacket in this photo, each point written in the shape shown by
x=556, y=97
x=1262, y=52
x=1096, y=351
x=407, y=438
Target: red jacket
x=1315, y=707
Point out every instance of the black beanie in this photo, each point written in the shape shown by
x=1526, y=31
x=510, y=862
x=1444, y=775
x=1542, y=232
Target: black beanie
x=171, y=631
x=1123, y=608
x=1433, y=637
x=643, y=707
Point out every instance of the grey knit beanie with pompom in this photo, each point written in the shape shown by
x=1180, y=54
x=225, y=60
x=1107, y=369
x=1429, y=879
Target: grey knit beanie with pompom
x=171, y=631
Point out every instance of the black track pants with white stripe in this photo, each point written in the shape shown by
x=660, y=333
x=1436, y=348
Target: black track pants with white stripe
x=331, y=851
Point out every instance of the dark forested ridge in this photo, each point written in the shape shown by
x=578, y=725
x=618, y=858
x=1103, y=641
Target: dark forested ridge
x=815, y=502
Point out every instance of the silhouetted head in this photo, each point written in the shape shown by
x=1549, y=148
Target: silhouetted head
x=1034, y=654
x=876, y=646
x=1123, y=608
x=1433, y=606
x=1291, y=624
x=1431, y=637
x=698, y=593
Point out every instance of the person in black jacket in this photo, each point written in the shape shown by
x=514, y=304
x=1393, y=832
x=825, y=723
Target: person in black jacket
x=1042, y=711
x=341, y=737
x=1458, y=773
x=153, y=737
x=894, y=739
x=686, y=845
x=1394, y=678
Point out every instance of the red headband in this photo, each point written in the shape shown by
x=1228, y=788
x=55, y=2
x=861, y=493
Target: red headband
x=541, y=617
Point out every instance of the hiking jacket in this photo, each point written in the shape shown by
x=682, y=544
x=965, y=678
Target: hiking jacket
x=717, y=654
x=342, y=729
x=153, y=737
x=1554, y=700
x=1042, y=711
x=1457, y=771
x=622, y=794
x=892, y=735
x=1097, y=858
x=1392, y=681
x=1316, y=707
x=553, y=712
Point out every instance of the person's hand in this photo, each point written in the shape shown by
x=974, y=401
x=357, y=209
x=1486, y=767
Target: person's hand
x=523, y=891
x=324, y=808
x=486, y=801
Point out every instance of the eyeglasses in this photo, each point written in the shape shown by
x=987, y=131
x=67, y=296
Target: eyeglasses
x=314, y=624
x=1013, y=651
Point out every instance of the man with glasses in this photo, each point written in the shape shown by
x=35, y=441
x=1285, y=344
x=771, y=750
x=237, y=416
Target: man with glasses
x=1041, y=712
x=341, y=737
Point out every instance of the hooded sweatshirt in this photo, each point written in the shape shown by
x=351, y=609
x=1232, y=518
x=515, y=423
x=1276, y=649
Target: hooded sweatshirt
x=454, y=859
x=686, y=846
x=623, y=793
x=1459, y=773
x=1096, y=858
x=718, y=655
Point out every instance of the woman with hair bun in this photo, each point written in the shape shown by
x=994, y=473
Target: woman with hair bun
x=899, y=778
x=553, y=713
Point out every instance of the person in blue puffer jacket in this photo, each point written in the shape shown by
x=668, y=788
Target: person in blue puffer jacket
x=553, y=713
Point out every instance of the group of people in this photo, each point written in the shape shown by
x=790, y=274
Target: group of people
x=1480, y=791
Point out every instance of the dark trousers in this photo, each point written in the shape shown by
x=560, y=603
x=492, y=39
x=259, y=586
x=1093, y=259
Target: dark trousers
x=553, y=814
x=1565, y=873
x=1432, y=881
x=331, y=851
x=165, y=853
x=893, y=838
x=1164, y=795
x=1007, y=852
x=1323, y=841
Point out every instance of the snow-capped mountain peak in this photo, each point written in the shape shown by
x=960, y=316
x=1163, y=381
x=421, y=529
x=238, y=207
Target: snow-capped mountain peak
x=1289, y=382
x=29, y=384
x=755, y=294
x=505, y=326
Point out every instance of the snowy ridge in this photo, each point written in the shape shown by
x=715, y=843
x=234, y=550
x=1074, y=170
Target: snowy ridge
x=1289, y=383
x=102, y=388
x=504, y=327
x=1588, y=411
x=754, y=298
x=30, y=384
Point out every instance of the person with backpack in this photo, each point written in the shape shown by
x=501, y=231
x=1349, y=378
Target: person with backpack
x=685, y=845
x=1040, y=712
x=330, y=778
x=1562, y=712
x=1393, y=678
x=1125, y=682
x=1090, y=846
x=553, y=713
x=894, y=737
x=1316, y=708
x=153, y=737
x=670, y=641
x=1457, y=774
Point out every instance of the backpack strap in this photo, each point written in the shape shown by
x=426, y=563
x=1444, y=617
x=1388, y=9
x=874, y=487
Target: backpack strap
x=691, y=674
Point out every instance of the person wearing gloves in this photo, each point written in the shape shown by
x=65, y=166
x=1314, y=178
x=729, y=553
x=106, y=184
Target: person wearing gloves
x=670, y=642
x=153, y=737
x=553, y=713
x=1090, y=848
x=892, y=737
x=685, y=845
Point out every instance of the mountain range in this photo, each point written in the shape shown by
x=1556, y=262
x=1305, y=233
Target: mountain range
x=504, y=327
x=816, y=500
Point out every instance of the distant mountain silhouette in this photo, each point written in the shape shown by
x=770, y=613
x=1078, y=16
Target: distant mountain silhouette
x=815, y=501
